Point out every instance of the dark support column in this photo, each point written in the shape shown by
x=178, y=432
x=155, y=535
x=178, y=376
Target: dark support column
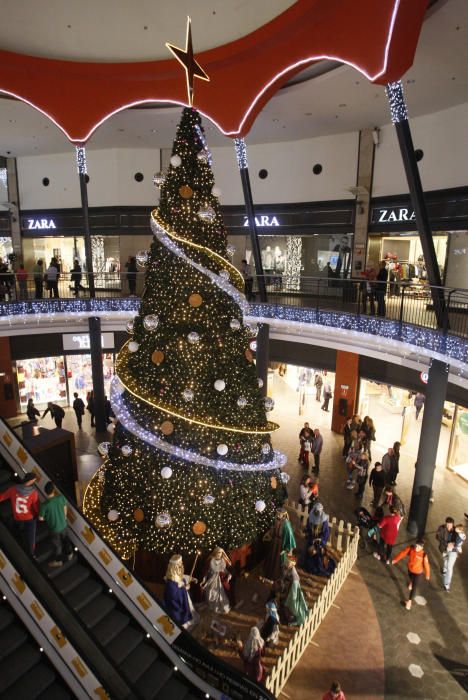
x=98, y=374
x=263, y=355
x=263, y=337
x=399, y=116
x=427, y=451
x=93, y=322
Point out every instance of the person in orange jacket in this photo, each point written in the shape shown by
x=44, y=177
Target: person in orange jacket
x=418, y=563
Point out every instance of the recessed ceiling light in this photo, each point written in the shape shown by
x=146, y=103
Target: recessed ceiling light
x=357, y=82
x=120, y=129
x=145, y=27
x=308, y=114
x=342, y=105
x=153, y=131
x=275, y=120
x=336, y=116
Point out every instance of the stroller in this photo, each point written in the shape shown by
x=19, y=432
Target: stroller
x=368, y=530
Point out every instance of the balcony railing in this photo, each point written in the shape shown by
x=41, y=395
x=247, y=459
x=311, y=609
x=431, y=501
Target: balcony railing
x=403, y=302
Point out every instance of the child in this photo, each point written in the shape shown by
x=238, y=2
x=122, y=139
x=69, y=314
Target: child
x=54, y=512
x=418, y=563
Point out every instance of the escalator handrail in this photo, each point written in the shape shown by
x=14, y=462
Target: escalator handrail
x=131, y=592
x=19, y=577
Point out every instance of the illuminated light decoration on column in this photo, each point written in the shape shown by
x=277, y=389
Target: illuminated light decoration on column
x=293, y=266
x=81, y=160
x=241, y=154
x=396, y=100
x=3, y=177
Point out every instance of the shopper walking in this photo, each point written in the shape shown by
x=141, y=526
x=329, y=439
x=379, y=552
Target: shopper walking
x=388, y=527
x=394, y=464
x=51, y=277
x=419, y=400
x=387, y=464
x=32, y=412
x=24, y=500
x=131, y=268
x=451, y=538
x=381, y=288
x=318, y=383
x=335, y=692
x=76, y=277
x=317, y=446
x=327, y=395
x=38, y=272
x=305, y=432
x=246, y=272
x=377, y=481
x=22, y=280
x=54, y=512
x=90, y=406
x=362, y=470
x=56, y=412
x=79, y=408
x=418, y=563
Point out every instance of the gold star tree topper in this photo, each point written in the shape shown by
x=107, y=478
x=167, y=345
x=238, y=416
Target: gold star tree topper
x=187, y=59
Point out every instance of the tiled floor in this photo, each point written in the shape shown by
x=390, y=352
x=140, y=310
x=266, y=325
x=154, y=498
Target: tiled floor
x=370, y=619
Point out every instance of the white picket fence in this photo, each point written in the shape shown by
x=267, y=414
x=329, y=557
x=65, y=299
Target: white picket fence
x=344, y=538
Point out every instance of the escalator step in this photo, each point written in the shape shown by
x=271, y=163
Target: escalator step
x=14, y=666
x=138, y=662
x=10, y=639
x=44, y=550
x=6, y=617
x=42, y=532
x=34, y=682
x=96, y=610
x=56, y=692
x=80, y=596
x=176, y=689
x=151, y=682
x=69, y=579
x=124, y=644
x=111, y=626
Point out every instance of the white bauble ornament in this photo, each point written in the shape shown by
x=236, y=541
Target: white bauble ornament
x=260, y=382
x=260, y=506
x=103, y=448
x=252, y=330
x=284, y=477
x=126, y=450
x=222, y=449
x=230, y=249
x=129, y=326
x=142, y=257
x=163, y=520
x=281, y=459
x=176, y=161
x=269, y=403
x=166, y=472
x=253, y=345
x=193, y=337
x=187, y=395
x=202, y=156
x=220, y=385
x=208, y=500
x=242, y=402
x=113, y=515
x=150, y=322
x=216, y=191
x=234, y=324
x=224, y=274
x=159, y=178
x=133, y=346
x=206, y=213
x=266, y=448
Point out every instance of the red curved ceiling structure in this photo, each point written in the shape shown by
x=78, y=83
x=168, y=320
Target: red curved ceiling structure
x=378, y=38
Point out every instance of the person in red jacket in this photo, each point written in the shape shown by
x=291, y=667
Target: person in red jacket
x=388, y=527
x=24, y=500
x=335, y=692
x=418, y=563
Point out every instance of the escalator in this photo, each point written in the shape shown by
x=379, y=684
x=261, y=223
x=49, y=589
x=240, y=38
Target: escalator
x=150, y=654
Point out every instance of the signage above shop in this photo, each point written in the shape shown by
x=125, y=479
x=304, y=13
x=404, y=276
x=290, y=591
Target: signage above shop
x=80, y=341
x=263, y=221
x=43, y=224
x=392, y=215
x=424, y=376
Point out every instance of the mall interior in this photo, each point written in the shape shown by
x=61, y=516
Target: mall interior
x=334, y=236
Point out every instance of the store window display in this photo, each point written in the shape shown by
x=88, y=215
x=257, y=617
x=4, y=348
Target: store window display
x=404, y=257
x=41, y=379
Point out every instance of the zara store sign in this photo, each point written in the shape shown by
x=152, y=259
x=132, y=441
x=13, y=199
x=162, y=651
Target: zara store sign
x=43, y=224
x=263, y=221
x=393, y=215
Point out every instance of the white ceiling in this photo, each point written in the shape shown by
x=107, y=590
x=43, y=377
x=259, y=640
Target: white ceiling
x=339, y=100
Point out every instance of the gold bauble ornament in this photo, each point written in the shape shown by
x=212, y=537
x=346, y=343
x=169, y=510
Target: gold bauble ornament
x=157, y=357
x=195, y=300
x=138, y=515
x=199, y=527
x=249, y=355
x=186, y=192
x=274, y=482
x=167, y=427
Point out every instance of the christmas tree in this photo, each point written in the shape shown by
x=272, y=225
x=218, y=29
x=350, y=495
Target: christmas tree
x=191, y=464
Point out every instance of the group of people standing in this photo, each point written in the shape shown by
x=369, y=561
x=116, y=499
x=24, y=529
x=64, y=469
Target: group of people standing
x=310, y=443
x=373, y=288
x=58, y=414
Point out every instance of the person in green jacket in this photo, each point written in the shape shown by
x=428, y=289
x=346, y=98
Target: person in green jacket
x=54, y=512
x=282, y=543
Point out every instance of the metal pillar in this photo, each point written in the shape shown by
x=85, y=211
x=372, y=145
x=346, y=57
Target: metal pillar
x=427, y=450
x=263, y=338
x=241, y=153
x=94, y=323
x=399, y=115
